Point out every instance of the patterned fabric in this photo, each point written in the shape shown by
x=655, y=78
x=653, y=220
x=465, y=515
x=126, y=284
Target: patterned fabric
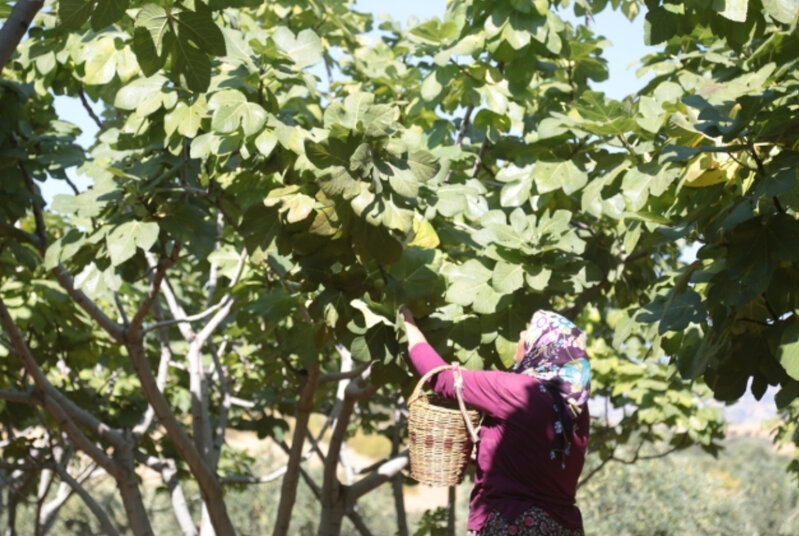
x=532, y=522
x=554, y=352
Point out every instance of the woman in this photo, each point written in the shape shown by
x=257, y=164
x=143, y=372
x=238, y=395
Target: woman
x=534, y=431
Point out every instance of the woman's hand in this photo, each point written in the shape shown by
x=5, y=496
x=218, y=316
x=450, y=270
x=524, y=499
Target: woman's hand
x=407, y=316
x=415, y=336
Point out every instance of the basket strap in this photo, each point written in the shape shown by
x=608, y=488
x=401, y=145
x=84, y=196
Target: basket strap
x=458, y=393
x=418, y=389
x=462, y=404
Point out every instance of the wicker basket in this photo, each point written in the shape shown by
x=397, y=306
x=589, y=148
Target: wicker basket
x=442, y=434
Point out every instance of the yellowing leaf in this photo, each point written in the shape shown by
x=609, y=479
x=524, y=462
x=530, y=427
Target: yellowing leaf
x=424, y=236
x=708, y=170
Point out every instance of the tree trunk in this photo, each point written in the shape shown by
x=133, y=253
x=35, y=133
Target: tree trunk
x=451, y=506
x=128, y=484
x=288, y=489
x=396, y=480
x=207, y=479
x=15, y=28
x=332, y=518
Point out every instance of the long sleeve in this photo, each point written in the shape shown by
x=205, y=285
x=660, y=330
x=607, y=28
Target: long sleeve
x=496, y=393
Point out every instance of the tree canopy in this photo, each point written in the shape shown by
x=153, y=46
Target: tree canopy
x=268, y=186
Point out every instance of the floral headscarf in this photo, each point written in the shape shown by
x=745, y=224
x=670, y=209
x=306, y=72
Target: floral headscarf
x=554, y=352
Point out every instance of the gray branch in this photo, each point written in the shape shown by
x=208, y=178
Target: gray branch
x=15, y=28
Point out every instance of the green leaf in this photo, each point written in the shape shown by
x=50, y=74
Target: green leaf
x=204, y=145
x=337, y=182
x=371, y=318
x=519, y=183
x=424, y=234
x=154, y=20
x=400, y=177
x=296, y=205
x=146, y=52
x=565, y=174
x=370, y=242
x=735, y=10
x=788, y=354
x=125, y=238
x=108, y=12
x=266, y=142
x=304, y=50
x=785, y=11
x=192, y=67
x=231, y=109
x=199, y=28
x=675, y=311
x=538, y=280
x=349, y=113
x=100, y=62
x=97, y=283
x=604, y=117
x=424, y=165
x=466, y=281
x=507, y=277
x=74, y=13
x=329, y=152
x=186, y=119
x=145, y=95
x=362, y=159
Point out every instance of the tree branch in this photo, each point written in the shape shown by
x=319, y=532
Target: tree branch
x=152, y=293
x=187, y=319
x=89, y=109
x=88, y=500
x=19, y=397
x=383, y=474
x=162, y=374
x=288, y=491
x=116, y=331
x=479, y=161
x=9, y=230
x=58, y=405
x=169, y=474
x=15, y=27
x=206, y=478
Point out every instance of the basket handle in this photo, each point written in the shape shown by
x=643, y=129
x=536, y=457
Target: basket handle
x=458, y=394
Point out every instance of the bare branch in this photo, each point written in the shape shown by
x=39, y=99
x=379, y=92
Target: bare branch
x=188, y=319
x=152, y=293
x=19, y=397
x=95, y=508
x=15, y=27
x=213, y=272
x=479, y=160
x=383, y=474
x=396, y=482
x=121, y=309
x=84, y=101
x=162, y=374
x=169, y=474
x=345, y=375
